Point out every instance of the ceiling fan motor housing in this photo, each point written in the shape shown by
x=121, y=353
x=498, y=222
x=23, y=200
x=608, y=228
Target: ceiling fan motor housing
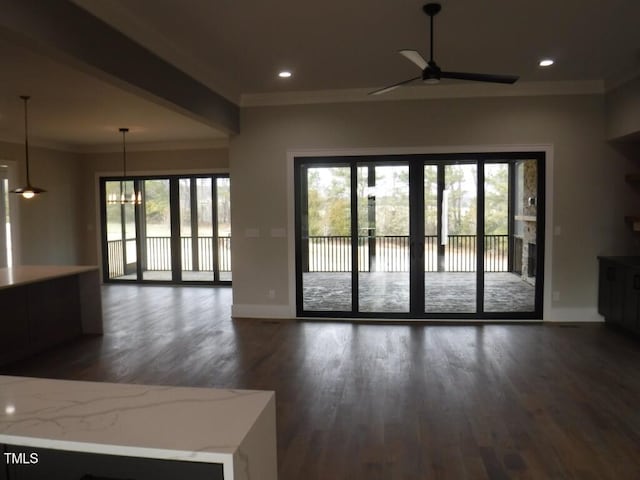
x=431, y=74
x=432, y=9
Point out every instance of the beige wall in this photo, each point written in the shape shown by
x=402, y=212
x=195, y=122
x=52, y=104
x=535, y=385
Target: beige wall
x=142, y=162
x=623, y=111
x=48, y=224
x=61, y=226
x=589, y=193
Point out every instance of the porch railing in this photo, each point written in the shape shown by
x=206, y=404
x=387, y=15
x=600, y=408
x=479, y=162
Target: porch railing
x=391, y=253
x=158, y=254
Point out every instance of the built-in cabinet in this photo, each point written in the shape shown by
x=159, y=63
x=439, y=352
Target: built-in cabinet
x=633, y=221
x=619, y=291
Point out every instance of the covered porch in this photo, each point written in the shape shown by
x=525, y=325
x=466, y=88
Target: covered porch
x=445, y=292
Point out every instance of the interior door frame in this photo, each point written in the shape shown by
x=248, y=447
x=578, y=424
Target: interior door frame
x=417, y=231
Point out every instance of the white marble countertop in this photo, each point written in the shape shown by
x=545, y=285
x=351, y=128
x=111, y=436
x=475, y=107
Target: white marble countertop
x=175, y=423
x=21, y=275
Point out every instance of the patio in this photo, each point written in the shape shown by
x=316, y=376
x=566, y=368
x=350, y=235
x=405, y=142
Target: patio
x=445, y=292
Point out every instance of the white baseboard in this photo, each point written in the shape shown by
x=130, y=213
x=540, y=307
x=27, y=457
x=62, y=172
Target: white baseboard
x=261, y=311
x=285, y=312
x=573, y=315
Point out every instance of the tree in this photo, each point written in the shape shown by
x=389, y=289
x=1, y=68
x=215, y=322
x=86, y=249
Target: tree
x=496, y=194
x=462, y=200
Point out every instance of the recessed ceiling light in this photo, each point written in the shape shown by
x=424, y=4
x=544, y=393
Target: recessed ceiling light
x=547, y=62
x=284, y=74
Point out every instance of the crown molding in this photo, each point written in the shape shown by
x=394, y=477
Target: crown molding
x=219, y=143
x=215, y=144
x=424, y=92
x=38, y=143
x=619, y=82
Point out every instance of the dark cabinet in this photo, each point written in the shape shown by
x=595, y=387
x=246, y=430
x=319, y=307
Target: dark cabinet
x=46, y=464
x=54, y=311
x=14, y=331
x=37, y=316
x=631, y=313
x=619, y=291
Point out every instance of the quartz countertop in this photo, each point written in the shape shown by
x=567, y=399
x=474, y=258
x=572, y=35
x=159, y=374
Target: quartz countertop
x=25, y=274
x=174, y=423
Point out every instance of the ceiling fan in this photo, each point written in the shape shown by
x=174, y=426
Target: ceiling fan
x=431, y=72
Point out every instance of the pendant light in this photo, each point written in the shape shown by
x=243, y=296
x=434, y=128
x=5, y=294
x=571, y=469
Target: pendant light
x=27, y=191
x=136, y=197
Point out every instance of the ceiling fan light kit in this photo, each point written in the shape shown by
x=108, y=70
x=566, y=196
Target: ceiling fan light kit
x=431, y=71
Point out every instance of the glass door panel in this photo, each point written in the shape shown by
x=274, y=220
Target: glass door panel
x=205, y=259
x=120, y=231
x=383, y=243
x=510, y=244
x=452, y=287
x=223, y=224
x=431, y=227
x=186, y=227
x=156, y=230
x=5, y=225
x=325, y=241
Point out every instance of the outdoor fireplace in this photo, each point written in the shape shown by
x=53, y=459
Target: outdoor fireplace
x=531, y=260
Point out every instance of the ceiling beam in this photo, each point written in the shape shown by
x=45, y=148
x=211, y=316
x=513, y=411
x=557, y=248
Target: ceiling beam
x=71, y=34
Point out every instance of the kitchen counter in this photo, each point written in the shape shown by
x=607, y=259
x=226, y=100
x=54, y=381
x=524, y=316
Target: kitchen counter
x=234, y=428
x=23, y=275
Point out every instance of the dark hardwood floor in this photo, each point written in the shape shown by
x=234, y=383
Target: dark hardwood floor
x=363, y=401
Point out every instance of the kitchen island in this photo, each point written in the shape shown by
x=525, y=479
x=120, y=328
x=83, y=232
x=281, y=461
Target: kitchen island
x=69, y=429
x=42, y=306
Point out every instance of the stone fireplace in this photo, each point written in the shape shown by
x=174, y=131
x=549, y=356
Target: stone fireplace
x=526, y=217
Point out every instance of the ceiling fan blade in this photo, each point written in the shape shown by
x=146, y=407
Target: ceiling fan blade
x=394, y=86
x=480, y=77
x=415, y=57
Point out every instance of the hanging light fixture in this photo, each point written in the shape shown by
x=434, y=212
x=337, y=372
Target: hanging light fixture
x=28, y=191
x=136, y=197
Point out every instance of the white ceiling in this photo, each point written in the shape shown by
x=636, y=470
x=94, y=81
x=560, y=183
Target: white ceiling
x=237, y=47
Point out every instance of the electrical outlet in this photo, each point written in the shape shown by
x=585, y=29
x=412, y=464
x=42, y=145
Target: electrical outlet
x=555, y=296
x=271, y=294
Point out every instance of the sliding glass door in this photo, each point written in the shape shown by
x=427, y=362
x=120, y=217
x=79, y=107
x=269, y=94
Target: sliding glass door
x=325, y=240
x=421, y=236
x=383, y=237
x=119, y=230
x=155, y=234
x=450, y=210
x=5, y=219
x=179, y=231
